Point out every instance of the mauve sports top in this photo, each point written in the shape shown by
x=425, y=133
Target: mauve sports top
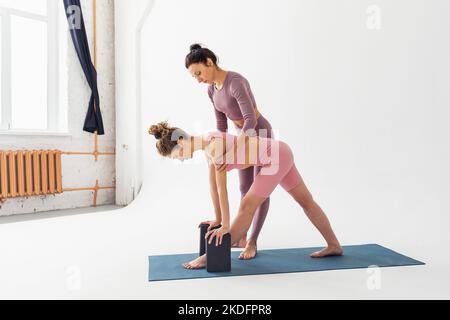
x=234, y=100
x=265, y=153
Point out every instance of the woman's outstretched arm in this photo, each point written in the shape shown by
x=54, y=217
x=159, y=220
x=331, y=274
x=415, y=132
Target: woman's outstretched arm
x=219, y=185
x=221, y=180
x=214, y=192
x=240, y=92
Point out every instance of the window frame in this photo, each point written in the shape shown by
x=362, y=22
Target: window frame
x=55, y=57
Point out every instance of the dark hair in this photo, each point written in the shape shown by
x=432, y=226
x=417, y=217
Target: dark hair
x=198, y=54
x=167, y=137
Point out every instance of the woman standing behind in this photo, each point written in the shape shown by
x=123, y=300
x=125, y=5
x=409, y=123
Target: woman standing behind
x=232, y=98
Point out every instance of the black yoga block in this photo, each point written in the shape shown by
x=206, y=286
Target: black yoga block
x=203, y=231
x=218, y=258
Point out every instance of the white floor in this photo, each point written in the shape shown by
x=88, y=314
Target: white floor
x=96, y=255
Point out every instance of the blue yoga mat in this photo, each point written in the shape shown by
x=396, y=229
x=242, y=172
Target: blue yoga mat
x=169, y=267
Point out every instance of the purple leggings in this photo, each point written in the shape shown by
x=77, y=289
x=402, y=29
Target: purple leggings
x=247, y=176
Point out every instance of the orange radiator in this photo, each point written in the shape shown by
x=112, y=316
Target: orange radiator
x=30, y=173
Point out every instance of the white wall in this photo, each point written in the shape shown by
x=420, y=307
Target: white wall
x=78, y=171
x=365, y=111
x=129, y=21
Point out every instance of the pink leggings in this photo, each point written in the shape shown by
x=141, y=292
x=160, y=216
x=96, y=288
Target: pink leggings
x=283, y=172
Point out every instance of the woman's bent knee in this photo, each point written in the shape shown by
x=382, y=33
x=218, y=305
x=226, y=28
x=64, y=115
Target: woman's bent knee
x=245, y=207
x=251, y=202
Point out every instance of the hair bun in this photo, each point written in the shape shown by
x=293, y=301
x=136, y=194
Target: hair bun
x=195, y=47
x=159, y=130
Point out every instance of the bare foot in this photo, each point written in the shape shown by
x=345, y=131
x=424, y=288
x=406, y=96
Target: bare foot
x=198, y=263
x=328, y=251
x=240, y=244
x=249, y=251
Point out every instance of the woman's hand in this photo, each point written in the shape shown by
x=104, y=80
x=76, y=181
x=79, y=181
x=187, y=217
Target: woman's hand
x=219, y=162
x=221, y=167
x=212, y=224
x=218, y=234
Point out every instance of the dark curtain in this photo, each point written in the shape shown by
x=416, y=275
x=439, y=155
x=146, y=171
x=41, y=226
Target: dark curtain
x=93, y=121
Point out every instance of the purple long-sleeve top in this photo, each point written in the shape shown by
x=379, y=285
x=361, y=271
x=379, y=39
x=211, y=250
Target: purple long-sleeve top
x=235, y=101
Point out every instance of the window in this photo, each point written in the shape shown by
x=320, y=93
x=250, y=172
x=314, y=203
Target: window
x=33, y=86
